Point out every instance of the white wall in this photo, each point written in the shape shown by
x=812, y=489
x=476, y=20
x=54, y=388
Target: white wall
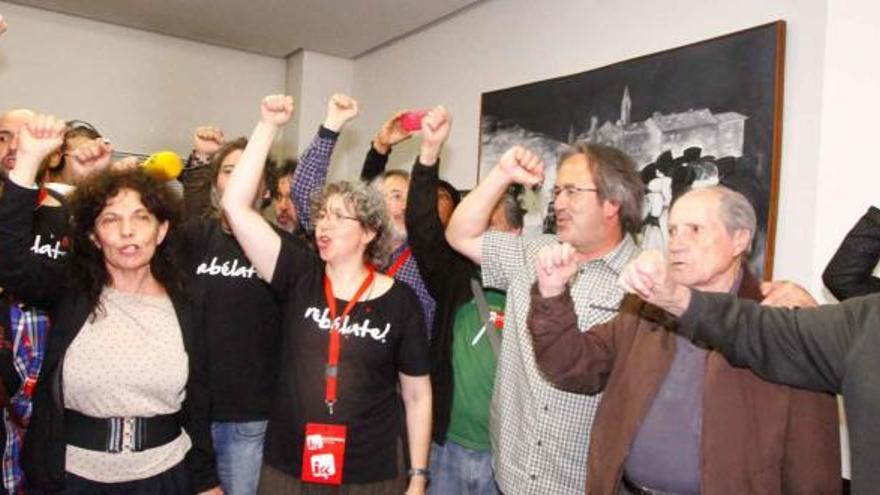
x=504, y=43
x=144, y=91
x=849, y=169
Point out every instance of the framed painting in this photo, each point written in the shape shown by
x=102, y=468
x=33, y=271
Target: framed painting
x=701, y=114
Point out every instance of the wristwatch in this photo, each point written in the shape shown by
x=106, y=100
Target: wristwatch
x=419, y=472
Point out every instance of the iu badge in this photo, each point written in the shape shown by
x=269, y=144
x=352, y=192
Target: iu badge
x=323, y=453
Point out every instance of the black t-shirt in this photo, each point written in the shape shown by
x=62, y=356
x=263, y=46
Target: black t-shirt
x=382, y=337
x=52, y=230
x=241, y=318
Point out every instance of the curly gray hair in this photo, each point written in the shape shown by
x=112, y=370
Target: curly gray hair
x=368, y=206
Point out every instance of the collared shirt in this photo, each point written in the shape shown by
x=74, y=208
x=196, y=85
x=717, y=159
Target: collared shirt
x=665, y=453
x=311, y=173
x=541, y=435
x=30, y=331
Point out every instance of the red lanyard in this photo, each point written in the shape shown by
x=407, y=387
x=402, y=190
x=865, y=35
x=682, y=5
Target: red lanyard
x=331, y=372
x=399, y=262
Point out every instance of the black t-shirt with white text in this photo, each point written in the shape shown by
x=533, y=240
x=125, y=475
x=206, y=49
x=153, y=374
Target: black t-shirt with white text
x=241, y=318
x=381, y=337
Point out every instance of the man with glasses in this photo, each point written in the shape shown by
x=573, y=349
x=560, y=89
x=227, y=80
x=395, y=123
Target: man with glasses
x=540, y=434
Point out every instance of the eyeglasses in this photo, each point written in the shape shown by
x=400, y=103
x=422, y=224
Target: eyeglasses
x=571, y=190
x=333, y=217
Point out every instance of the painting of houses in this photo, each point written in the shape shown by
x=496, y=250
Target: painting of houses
x=697, y=115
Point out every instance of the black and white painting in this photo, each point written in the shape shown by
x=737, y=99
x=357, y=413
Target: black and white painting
x=694, y=116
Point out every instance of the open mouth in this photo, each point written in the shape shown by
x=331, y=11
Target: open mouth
x=129, y=249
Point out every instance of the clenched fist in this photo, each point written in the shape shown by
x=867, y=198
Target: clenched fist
x=89, y=157
x=435, y=130
x=522, y=166
x=555, y=266
x=340, y=109
x=276, y=110
x=647, y=276
x=207, y=140
x=40, y=136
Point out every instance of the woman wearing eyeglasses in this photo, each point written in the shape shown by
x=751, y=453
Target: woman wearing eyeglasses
x=351, y=335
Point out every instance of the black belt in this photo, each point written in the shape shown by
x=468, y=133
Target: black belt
x=120, y=434
x=636, y=489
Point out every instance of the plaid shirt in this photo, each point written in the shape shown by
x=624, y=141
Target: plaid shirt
x=30, y=329
x=541, y=435
x=409, y=274
x=310, y=176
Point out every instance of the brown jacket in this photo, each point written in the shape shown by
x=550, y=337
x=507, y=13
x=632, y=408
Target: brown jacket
x=757, y=437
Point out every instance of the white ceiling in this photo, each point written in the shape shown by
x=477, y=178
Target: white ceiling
x=344, y=28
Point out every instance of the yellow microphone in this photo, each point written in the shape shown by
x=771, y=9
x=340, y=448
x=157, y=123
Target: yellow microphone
x=163, y=165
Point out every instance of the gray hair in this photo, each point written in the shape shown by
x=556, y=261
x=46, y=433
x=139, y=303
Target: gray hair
x=368, y=207
x=380, y=179
x=737, y=212
x=616, y=178
x=513, y=209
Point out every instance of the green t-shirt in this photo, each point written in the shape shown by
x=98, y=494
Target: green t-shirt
x=473, y=372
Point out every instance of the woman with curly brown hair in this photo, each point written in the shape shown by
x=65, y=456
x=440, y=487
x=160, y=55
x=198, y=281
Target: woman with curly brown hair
x=120, y=406
x=350, y=337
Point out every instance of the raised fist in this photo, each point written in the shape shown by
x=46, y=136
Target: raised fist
x=390, y=134
x=436, y=126
x=435, y=130
x=40, y=136
x=207, y=140
x=90, y=157
x=276, y=110
x=340, y=109
x=555, y=266
x=522, y=166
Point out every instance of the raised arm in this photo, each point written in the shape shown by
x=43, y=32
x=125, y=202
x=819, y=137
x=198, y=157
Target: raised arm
x=30, y=277
x=471, y=218
x=433, y=254
x=259, y=240
x=849, y=273
x=805, y=348
x=196, y=175
x=391, y=133
x=311, y=173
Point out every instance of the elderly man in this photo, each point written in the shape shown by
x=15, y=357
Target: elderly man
x=676, y=418
x=540, y=434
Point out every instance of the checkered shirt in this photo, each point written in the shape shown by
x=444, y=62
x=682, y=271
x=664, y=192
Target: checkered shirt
x=409, y=274
x=30, y=328
x=541, y=435
x=311, y=174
